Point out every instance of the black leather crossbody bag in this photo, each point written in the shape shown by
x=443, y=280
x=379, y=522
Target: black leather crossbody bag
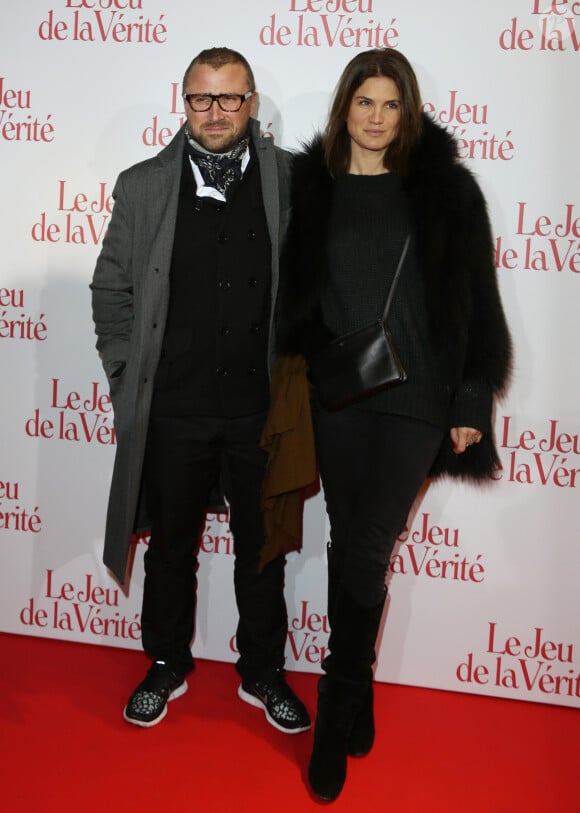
x=360, y=363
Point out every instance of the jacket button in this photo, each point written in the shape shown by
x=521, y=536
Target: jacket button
x=219, y=208
x=252, y=282
x=254, y=328
x=223, y=331
x=224, y=283
x=221, y=371
x=251, y=234
x=223, y=238
x=252, y=370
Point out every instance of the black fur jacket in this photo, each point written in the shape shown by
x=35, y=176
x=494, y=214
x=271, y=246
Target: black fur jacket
x=455, y=252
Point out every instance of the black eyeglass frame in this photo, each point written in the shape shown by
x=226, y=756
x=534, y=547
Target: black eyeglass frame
x=217, y=97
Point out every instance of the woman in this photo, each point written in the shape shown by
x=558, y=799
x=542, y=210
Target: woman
x=382, y=170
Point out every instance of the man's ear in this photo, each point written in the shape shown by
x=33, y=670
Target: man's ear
x=254, y=105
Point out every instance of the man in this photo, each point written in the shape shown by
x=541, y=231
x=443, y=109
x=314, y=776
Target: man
x=183, y=302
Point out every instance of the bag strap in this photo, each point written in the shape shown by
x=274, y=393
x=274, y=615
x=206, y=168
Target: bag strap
x=396, y=277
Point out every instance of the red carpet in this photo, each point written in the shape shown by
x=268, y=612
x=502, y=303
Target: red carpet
x=65, y=747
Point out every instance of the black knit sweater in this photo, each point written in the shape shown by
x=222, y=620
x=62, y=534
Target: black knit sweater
x=367, y=228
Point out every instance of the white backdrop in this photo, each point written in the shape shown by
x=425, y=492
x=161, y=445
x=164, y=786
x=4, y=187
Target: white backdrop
x=483, y=588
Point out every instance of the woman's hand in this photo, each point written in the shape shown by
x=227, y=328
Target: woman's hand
x=464, y=436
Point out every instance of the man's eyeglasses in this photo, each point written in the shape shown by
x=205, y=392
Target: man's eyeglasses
x=228, y=102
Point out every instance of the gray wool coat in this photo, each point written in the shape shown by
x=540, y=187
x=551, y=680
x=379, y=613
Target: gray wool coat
x=130, y=298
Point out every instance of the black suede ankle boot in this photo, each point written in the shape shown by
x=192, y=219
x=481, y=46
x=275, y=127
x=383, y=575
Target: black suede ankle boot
x=342, y=692
x=336, y=711
x=362, y=734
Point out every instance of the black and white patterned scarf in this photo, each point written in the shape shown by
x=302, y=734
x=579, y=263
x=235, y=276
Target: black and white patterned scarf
x=218, y=170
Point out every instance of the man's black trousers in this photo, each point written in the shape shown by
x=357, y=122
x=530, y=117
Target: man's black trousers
x=184, y=458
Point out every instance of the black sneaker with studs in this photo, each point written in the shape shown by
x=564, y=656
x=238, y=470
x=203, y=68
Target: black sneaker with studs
x=282, y=708
x=147, y=705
